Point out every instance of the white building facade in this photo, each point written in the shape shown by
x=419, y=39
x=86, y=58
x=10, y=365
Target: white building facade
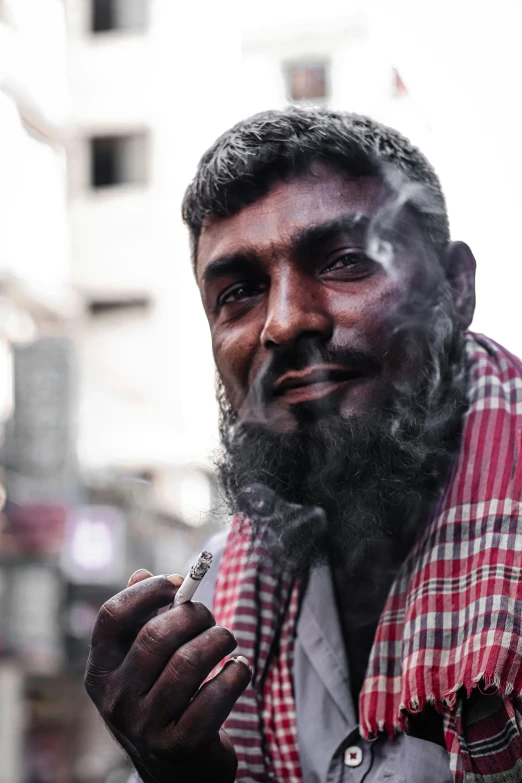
x=35, y=296
x=151, y=86
x=137, y=130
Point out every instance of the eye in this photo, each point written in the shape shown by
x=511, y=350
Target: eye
x=239, y=293
x=353, y=261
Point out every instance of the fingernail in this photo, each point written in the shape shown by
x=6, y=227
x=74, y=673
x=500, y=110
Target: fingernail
x=142, y=573
x=242, y=659
x=175, y=579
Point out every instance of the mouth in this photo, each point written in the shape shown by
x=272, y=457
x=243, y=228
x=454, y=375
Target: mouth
x=315, y=382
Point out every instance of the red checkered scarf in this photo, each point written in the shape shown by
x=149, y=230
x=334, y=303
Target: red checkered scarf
x=451, y=622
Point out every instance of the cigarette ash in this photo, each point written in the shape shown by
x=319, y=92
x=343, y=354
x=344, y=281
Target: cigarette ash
x=201, y=566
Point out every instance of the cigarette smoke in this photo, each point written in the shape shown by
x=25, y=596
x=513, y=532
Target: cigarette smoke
x=339, y=484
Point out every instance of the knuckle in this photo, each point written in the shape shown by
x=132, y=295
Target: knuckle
x=109, y=613
x=185, y=663
x=152, y=636
x=92, y=684
x=96, y=679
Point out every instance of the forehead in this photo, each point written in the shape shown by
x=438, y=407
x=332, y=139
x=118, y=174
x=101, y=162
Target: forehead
x=288, y=207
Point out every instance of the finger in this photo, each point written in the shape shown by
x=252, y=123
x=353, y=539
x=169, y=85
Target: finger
x=159, y=639
x=212, y=705
x=186, y=671
x=120, y=619
x=139, y=576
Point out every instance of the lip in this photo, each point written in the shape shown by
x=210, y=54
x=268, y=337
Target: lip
x=315, y=382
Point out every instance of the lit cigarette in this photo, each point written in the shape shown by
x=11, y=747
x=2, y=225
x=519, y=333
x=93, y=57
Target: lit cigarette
x=193, y=579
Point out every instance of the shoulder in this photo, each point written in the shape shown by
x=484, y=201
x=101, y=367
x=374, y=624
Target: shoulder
x=495, y=376
x=484, y=353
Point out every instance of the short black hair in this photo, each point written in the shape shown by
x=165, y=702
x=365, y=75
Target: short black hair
x=245, y=161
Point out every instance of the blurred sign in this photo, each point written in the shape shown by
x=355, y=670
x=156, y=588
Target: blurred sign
x=93, y=550
x=39, y=439
x=37, y=528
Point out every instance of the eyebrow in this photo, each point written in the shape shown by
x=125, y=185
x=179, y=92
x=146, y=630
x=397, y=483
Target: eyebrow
x=228, y=265
x=307, y=239
x=303, y=241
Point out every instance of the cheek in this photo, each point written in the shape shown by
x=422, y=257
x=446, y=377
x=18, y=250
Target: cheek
x=369, y=314
x=233, y=354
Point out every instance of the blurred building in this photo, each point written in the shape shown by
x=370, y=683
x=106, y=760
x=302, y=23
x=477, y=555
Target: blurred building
x=147, y=407
x=38, y=309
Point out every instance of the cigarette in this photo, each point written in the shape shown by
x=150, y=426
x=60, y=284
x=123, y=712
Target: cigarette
x=193, y=579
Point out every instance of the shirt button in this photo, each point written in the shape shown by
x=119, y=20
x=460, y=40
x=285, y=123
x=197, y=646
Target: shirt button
x=353, y=756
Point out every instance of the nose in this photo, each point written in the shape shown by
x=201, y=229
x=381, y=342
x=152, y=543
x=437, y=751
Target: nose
x=296, y=308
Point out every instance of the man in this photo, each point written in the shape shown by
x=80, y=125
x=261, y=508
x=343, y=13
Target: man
x=371, y=577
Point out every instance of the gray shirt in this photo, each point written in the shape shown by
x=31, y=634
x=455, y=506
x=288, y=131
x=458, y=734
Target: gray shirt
x=330, y=747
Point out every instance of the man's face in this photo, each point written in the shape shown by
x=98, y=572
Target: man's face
x=318, y=263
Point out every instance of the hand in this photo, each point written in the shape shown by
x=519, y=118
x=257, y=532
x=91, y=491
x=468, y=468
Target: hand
x=145, y=673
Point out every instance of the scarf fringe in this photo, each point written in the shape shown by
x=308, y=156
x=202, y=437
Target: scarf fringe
x=444, y=705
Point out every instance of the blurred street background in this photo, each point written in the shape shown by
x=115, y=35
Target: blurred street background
x=107, y=411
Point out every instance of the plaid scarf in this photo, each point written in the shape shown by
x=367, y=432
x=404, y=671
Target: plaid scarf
x=451, y=624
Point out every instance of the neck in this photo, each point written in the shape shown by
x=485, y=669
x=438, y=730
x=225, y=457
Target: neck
x=360, y=596
x=361, y=591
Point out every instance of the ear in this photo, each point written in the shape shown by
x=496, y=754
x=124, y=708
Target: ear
x=458, y=263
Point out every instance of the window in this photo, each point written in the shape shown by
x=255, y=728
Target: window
x=137, y=304
x=118, y=160
x=307, y=81
x=131, y=15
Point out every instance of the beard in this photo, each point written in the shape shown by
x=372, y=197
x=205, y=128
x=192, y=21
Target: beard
x=334, y=486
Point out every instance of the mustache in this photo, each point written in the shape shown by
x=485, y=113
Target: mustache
x=319, y=353
x=307, y=352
